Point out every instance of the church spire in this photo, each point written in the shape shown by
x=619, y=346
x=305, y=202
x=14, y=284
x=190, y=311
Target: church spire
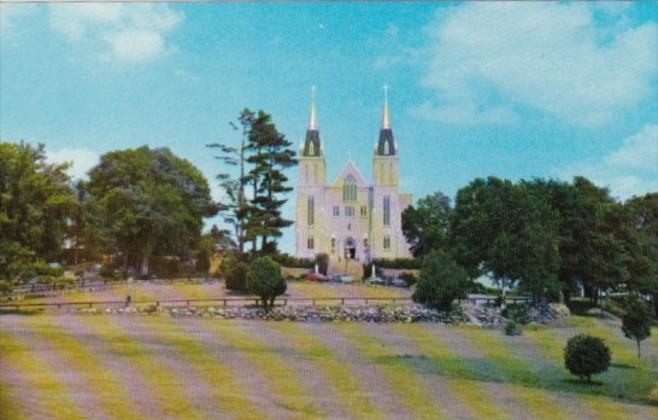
x=312, y=145
x=386, y=145
x=386, y=120
x=313, y=120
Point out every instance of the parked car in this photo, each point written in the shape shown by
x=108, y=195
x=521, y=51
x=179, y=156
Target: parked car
x=317, y=277
x=398, y=282
x=346, y=278
x=375, y=280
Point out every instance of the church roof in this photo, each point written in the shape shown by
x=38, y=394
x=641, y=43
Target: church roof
x=349, y=169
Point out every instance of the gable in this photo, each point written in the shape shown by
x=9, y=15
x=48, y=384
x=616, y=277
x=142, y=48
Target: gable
x=349, y=170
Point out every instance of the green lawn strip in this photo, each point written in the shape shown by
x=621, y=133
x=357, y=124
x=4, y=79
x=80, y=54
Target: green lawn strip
x=286, y=390
x=10, y=409
x=592, y=396
x=514, y=370
x=448, y=363
x=347, y=389
x=106, y=387
x=409, y=388
x=39, y=378
x=230, y=393
x=162, y=384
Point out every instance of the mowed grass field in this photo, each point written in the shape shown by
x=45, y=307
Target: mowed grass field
x=55, y=365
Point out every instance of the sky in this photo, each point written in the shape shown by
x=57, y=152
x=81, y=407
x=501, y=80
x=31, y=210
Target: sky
x=514, y=90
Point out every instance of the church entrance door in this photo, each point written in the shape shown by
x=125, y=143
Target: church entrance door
x=350, y=248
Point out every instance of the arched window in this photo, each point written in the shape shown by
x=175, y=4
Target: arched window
x=349, y=189
x=311, y=210
x=386, y=148
x=311, y=149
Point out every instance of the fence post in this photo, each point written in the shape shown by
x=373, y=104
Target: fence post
x=342, y=301
x=225, y=302
x=366, y=301
x=313, y=302
x=285, y=302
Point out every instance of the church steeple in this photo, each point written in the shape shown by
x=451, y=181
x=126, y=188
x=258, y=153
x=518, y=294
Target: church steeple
x=312, y=145
x=386, y=144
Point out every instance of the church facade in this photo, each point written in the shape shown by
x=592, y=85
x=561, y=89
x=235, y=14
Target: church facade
x=350, y=218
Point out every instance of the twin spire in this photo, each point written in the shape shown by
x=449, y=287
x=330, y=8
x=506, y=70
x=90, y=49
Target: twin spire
x=385, y=146
x=313, y=119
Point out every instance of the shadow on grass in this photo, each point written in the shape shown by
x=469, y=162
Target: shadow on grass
x=622, y=366
x=21, y=312
x=582, y=382
x=487, y=370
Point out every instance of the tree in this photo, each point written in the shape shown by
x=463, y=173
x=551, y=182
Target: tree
x=263, y=156
x=35, y=201
x=235, y=211
x=585, y=356
x=636, y=322
x=643, y=222
x=506, y=231
x=426, y=226
x=441, y=281
x=270, y=155
x=149, y=201
x=264, y=279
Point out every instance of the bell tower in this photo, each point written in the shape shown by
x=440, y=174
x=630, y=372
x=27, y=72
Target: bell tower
x=385, y=159
x=310, y=190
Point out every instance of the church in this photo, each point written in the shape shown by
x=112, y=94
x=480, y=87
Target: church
x=349, y=218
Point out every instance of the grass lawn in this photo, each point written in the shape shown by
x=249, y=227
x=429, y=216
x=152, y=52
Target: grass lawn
x=57, y=365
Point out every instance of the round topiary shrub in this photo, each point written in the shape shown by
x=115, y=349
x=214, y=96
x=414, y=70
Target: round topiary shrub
x=264, y=279
x=234, y=272
x=512, y=328
x=585, y=356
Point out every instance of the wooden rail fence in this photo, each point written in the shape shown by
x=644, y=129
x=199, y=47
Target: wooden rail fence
x=478, y=299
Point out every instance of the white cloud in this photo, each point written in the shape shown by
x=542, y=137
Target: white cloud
x=553, y=57
x=132, y=32
x=630, y=170
x=82, y=160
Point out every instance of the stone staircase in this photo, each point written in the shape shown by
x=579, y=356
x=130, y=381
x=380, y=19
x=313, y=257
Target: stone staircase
x=350, y=267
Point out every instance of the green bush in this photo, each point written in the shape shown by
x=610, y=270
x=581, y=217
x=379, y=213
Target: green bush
x=512, y=328
x=517, y=312
x=5, y=288
x=585, y=356
x=264, y=279
x=441, y=281
x=636, y=321
x=234, y=272
x=293, y=262
x=367, y=271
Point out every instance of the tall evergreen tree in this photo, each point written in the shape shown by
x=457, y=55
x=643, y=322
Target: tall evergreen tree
x=270, y=156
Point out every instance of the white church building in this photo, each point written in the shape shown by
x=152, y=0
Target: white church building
x=350, y=218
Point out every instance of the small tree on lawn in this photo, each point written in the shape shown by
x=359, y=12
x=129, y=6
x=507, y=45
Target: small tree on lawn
x=636, y=322
x=585, y=356
x=441, y=281
x=264, y=279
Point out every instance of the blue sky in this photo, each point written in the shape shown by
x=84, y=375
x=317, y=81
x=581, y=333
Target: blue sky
x=514, y=90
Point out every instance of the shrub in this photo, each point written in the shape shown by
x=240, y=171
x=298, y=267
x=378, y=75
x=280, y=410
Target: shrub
x=585, y=356
x=289, y=261
x=441, y=281
x=264, y=279
x=5, y=288
x=234, y=272
x=517, y=312
x=512, y=328
x=636, y=321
